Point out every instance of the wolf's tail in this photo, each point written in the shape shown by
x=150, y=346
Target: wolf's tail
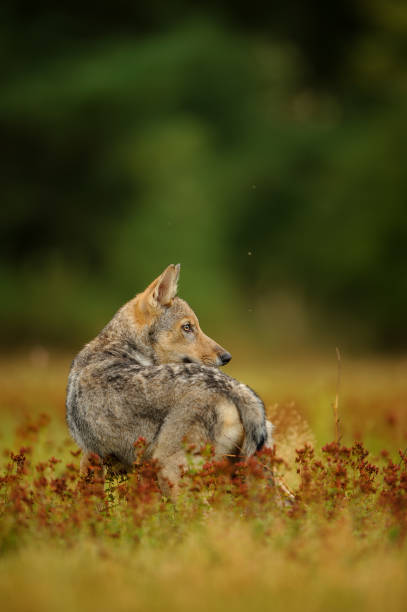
x=252, y=415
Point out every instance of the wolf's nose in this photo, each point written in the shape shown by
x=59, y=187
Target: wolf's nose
x=225, y=358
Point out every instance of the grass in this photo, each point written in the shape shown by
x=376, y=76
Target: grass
x=69, y=543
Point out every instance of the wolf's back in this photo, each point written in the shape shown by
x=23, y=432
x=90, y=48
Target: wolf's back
x=123, y=399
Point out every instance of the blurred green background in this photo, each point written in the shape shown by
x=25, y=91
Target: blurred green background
x=263, y=146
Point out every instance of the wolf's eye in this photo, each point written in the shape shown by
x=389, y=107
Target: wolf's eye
x=187, y=327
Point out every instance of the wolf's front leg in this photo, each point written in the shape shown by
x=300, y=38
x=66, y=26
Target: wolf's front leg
x=85, y=463
x=169, y=473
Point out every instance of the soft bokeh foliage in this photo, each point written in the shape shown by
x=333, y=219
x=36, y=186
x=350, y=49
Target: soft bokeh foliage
x=69, y=542
x=263, y=149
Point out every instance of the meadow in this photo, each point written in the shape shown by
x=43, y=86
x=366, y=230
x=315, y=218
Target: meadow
x=233, y=540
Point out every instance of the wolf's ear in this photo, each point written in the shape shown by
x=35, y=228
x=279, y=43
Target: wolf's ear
x=164, y=288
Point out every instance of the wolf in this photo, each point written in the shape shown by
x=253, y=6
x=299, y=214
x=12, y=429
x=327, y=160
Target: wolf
x=153, y=373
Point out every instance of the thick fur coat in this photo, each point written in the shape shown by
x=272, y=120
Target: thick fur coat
x=153, y=373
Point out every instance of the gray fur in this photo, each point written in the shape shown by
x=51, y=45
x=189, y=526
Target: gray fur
x=118, y=391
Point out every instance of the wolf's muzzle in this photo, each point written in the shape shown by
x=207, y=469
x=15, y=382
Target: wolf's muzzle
x=225, y=358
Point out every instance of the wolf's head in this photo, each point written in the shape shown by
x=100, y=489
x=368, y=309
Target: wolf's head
x=171, y=326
